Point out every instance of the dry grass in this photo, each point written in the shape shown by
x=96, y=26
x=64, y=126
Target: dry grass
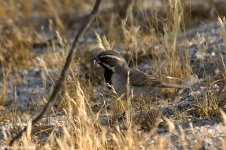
x=209, y=107
x=82, y=128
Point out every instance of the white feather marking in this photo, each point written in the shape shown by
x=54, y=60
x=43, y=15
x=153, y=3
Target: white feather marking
x=109, y=67
x=115, y=57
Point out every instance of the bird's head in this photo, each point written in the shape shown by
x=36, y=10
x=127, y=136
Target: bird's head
x=111, y=60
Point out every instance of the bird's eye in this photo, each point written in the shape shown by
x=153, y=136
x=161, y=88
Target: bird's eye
x=105, y=58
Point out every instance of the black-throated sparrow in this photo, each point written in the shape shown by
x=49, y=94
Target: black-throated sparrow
x=119, y=75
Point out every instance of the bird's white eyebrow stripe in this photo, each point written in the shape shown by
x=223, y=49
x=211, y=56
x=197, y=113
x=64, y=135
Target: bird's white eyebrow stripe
x=115, y=57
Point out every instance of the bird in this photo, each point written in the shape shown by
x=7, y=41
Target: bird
x=120, y=77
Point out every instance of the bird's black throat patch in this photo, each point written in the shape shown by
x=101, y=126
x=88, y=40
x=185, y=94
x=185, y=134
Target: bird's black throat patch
x=108, y=75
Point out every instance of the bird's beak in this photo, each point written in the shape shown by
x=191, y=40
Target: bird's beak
x=96, y=61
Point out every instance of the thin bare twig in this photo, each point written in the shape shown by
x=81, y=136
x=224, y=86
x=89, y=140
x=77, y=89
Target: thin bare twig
x=59, y=84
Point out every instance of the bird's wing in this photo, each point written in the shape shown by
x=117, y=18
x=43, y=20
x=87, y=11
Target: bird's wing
x=138, y=78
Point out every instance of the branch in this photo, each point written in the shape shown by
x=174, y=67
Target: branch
x=59, y=84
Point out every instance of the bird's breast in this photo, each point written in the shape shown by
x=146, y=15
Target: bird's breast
x=119, y=83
